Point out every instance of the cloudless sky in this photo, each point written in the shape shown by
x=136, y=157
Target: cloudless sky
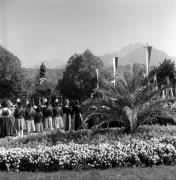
x=37, y=30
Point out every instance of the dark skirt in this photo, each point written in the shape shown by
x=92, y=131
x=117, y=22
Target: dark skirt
x=6, y=126
x=78, y=121
x=67, y=122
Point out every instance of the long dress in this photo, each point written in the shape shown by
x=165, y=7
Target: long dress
x=6, y=123
x=67, y=111
x=77, y=117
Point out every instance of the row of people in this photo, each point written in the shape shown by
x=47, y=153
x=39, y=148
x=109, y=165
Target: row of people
x=46, y=117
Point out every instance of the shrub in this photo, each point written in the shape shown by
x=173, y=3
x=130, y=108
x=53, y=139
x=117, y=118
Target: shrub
x=151, y=152
x=87, y=136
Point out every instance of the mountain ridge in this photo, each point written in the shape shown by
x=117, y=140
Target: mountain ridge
x=130, y=54
x=135, y=53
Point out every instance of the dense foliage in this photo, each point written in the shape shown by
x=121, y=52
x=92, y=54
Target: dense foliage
x=87, y=149
x=10, y=75
x=164, y=70
x=83, y=156
x=79, y=78
x=87, y=136
x=133, y=101
x=30, y=78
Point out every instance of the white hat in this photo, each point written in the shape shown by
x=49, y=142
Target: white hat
x=56, y=100
x=18, y=100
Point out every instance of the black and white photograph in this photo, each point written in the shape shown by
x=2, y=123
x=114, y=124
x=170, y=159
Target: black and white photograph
x=87, y=89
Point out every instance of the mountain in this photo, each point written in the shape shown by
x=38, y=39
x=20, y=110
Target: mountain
x=135, y=53
x=50, y=64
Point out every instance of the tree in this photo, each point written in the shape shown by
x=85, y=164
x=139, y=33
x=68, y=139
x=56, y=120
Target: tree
x=166, y=69
x=43, y=88
x=10, y=75
x=40, y=77
x=79, y=78
x=130, y=102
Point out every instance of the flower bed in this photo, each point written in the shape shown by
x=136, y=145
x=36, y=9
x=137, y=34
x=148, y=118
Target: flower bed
x=83, y=156
x=87, y=136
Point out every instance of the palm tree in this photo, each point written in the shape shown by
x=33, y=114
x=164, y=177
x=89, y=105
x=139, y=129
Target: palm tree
x=133, y=101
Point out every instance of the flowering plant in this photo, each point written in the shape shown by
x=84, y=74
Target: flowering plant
x=70, y=156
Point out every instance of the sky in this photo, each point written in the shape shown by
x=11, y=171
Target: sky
x=37, y=30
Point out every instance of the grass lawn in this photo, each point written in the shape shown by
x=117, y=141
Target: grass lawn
x=154, y=173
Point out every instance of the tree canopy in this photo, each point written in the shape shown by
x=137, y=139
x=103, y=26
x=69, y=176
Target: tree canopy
x=79, y=78
x=10, y=75
x=164, y=70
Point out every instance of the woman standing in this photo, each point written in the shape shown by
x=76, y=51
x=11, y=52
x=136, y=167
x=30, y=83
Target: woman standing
x=5, y=109
x=29, y=117
x=39, y=119
x=6, y=121
x=19, y=119
x=77, y=116
x=57, y=116
x=67, y=111
x=48, y=114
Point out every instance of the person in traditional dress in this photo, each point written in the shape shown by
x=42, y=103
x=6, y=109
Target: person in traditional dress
x=39, y=119
x=6, y=120
x=19, y=119
x=5, y=109
x=67, y=112
x=57, y=116
x=29, y=117
x=48, y=114
x=77, y=116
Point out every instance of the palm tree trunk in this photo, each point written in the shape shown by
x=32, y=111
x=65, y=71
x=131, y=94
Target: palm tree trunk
x=132, y=117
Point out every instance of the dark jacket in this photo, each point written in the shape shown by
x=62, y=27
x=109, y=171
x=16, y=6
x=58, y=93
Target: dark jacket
x=30, y=114
x=19, y=113
x=57, y=111
x=38, y=117
x=48, y=111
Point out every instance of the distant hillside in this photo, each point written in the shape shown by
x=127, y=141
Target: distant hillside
x=50, y=64
x=51, y=74
x=135, y=53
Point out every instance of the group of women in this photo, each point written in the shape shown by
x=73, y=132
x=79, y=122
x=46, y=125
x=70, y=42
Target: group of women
x=44, y=117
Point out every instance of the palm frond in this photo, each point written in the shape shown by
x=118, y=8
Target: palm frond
x=131, y=100
x=108, y=108
x=155, y=109
x=153, y=116
x=144, y=94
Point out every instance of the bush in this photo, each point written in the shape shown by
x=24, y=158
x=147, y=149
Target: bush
x=84, y=149
x=86, y=136
x=83, y=156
